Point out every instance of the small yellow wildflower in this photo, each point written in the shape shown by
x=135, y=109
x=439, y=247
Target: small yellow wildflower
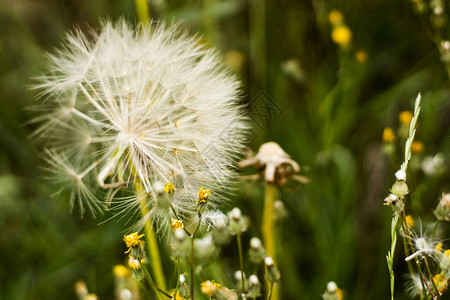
x=440, y=282
x=177, y=224
x=447, y=253
x=405, y=117
x=133, y=240
x=121, y=271
x=438, y=247
x=342, y=35
x=335, y=17
x=209, y=288
x=177, y=297
x=417, y=147
x=388, y=135
x=203, y=195
x=135, y=263
x=409, y=220
x=340, y=294
x=169, y=188
x=81, y=288
x=361, y=56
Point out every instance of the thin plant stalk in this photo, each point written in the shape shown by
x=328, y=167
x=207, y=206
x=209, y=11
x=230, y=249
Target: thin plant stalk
x=153, y=247
x=268, y=225
x=142, y=11
x=192, y=255
x=269, y=296
x=257, y=24
x=241, y=261
x=153, y=285
x=390, y=255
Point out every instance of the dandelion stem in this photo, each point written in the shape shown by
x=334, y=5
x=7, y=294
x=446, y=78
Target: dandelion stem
x=268, y=225
x=241, y=261
x=153, y=247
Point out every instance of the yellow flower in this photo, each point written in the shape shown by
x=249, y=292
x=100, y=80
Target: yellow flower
x=121, y=271
x=340, y=294
x=361, y=56
x=405, y=117
x=409, y=220
x=342, y=35
x=417, y=147
x=447, y=253
x=135, y=263
x=388, y=135
x=203, y=195
x=177, y=224
x=209, y=288
x=335, y=17
x=133, y=240
x=440, y=282
x=438, y=247
x=169, y=188
x=91, y=297
x=177, y=297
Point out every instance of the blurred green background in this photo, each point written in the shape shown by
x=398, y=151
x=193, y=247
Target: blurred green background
x=330, y=111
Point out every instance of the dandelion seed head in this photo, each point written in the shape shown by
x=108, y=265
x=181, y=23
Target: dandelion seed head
x=145, y=106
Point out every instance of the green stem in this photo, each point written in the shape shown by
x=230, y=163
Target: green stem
x=268, y=226
x=153, y=285
x=390, y=256
x=269, y=296
x=153, y=246
x=431, y=279
x=142, y=11
x=435, y=228
x=241, y=261
x=192, y=255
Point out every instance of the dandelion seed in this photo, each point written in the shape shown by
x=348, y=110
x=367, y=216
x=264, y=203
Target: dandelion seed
x=424, y=248
x=145, y=106
x=413, y=286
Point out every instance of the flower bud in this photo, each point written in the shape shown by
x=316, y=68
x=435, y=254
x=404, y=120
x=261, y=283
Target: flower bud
x=279, y=210
x=221, y=236
x=442, y=210
x=399, y=188
x=254, y=287
x=256, y=253
x=184, y=288
x=272, y=273
x=81, y=289
x=238, y=223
